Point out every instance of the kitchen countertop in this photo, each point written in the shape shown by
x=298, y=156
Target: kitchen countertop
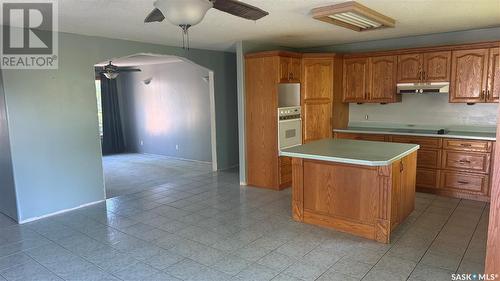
x=367, y=153
x=392, y=131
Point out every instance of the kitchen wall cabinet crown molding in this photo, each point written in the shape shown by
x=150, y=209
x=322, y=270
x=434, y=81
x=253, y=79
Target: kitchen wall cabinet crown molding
x=442, y=48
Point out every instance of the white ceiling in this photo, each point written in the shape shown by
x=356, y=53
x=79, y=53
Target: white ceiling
x=141, y=59
x=289, y=23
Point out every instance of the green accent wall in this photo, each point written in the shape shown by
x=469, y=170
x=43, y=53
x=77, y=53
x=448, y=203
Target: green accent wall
x=55, y=144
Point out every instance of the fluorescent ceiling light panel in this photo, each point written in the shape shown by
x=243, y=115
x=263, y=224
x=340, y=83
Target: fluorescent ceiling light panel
x=353, y=15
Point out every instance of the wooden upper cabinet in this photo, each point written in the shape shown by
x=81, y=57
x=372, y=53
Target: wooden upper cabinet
x=295, y=69
x=493, y=91
x=383, y=79
x=437, y=67
x=356, y=79
x=469, y=75
x=317, y=98
x=290, y=69
x=317, y=78
x=410, y=68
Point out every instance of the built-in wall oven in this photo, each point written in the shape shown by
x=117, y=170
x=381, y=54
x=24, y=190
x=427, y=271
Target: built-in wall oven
x=289, y=127
x=289, y=115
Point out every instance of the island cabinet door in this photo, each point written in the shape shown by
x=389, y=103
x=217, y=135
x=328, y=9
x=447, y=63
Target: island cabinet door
x=403, y=188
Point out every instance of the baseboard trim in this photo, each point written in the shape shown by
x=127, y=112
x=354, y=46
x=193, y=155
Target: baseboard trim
x=175, y=158
x=59, y=212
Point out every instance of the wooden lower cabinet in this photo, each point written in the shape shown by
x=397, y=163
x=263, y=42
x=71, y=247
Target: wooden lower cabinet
x=366, y=137
x=427, y=178
x=451, y=167
x=361, y=200
x=285, y=171
x=466, y=161
x=429, y=158
x=465, y=185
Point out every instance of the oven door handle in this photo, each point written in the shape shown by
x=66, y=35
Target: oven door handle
x=289, y=120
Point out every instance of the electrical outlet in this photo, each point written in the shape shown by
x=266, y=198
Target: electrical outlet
x=177, y=147
x=366, y=117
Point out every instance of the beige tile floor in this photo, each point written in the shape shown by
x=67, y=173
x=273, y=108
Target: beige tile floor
x=207, y=227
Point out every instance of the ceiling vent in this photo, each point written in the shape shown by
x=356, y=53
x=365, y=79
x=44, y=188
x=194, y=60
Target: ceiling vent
x=354, y=16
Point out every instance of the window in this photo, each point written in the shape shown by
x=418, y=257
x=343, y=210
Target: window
x=99, y=104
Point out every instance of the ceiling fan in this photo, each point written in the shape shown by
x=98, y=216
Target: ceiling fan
x=112, y=71
x=186, y=13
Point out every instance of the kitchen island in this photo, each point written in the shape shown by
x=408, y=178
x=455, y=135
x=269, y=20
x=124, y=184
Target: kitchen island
x=363, y=188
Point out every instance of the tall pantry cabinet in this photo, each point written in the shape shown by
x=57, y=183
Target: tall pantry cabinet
x=320, y=76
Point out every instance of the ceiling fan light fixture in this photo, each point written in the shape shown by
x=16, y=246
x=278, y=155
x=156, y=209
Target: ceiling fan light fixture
x=354, y=16
x=111, y=75
x=184, y=12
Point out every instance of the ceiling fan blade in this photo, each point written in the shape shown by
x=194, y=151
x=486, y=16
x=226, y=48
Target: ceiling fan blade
x=239, y=9
x=155, y=15
x=129, y=70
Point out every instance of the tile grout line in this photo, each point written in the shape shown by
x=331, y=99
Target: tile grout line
x=427, y=207
x=433, y=240
x=472, y=237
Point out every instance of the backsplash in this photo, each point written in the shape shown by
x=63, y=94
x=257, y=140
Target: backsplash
x=428, y=110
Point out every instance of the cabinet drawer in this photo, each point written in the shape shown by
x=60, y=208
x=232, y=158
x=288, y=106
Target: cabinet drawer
x=429, y=158
x=468, y=161
x=427, y=178
x=467, y=145
x=422, y=141
x=463, y=182
x=367, y=137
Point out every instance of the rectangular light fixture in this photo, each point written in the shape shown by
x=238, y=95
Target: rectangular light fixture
x=353, y=15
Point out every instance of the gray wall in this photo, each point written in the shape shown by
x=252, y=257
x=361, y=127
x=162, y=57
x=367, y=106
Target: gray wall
x=8, y=202
x=55, y=144
x=430, y=110
x=173, y=109
x=448, y=38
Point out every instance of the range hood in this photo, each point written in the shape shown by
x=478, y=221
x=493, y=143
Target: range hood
x=421, y=88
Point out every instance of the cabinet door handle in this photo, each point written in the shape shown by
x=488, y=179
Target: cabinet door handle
x=464, y=161
x=401, y=167
x=466, y=144
x=482, y=94
x=463, y=182
x=488, y=97
x=424, y=77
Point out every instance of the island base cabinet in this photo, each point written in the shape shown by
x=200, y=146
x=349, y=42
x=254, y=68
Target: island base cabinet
x=365, y=201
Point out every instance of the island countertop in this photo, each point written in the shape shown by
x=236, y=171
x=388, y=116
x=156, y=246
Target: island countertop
x=367, y=153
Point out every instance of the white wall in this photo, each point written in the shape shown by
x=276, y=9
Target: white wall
x=426, y=109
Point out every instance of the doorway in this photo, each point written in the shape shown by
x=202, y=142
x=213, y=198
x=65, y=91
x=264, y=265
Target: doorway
x=166, y=115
